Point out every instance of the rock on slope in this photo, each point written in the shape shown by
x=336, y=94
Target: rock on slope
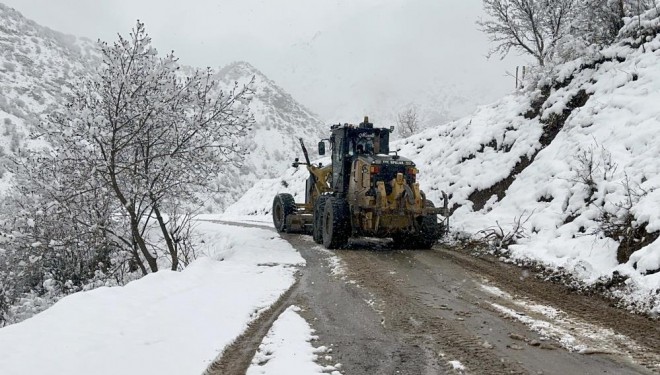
x=577, y=153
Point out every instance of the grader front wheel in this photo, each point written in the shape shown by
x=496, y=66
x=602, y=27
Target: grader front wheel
x=283, y=206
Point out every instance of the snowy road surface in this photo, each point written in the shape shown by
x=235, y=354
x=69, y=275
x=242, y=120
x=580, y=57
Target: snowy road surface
x=382, y=311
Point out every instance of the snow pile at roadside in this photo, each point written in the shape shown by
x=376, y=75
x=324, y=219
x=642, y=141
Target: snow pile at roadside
x=165, y=323
x=577, y=154
x=287, y=349
x=246, y=246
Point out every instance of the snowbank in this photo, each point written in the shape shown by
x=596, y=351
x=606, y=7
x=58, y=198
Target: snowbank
x=287, y=349
x=165, y=323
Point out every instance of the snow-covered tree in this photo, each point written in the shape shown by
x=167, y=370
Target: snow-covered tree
x=556, y=30
x=599, y=21
x=58, y=232
x=127, y=159
x=155, y=138
x=408, y=122
x=533, y=27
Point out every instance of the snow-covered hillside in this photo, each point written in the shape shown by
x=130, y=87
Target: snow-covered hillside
x=39, y=67
x=576, y=153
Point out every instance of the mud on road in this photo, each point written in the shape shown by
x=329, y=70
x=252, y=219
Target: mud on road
x=385, y=311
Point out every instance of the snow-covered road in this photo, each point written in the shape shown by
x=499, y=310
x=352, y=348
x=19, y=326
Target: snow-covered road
x=363, y=310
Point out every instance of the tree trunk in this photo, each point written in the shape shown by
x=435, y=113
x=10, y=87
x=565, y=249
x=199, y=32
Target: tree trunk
x=168, y=239
x=151, y=260
x=135, y=220
x=136, y=258
x=621, y=9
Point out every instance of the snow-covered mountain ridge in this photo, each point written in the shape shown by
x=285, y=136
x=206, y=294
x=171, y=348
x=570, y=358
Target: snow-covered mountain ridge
x=573, y=157
x=39, y=67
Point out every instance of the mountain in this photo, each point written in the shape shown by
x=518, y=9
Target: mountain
x=40, y=67
x=273, y=142
x=567, y=168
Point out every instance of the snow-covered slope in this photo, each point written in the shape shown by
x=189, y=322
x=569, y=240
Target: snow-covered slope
x=577, y=153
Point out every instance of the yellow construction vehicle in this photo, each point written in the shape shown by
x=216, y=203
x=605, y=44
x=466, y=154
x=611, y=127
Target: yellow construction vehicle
x=365, y=191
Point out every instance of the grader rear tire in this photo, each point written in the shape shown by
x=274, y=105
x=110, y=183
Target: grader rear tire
x=336, y=223
x=283, y=206
x=429, y=230
x=401, y=241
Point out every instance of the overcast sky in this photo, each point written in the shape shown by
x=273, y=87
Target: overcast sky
x=337, y=57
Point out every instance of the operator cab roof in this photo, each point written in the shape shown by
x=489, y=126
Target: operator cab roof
x=361, y=139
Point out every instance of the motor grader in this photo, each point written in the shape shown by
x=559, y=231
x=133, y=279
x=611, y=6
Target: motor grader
x=365, y=191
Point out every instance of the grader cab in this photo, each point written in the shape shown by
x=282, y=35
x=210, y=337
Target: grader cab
x=365, y=191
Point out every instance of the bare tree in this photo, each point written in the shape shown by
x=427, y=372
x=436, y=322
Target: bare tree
x=529, y=26
x=408, y=122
